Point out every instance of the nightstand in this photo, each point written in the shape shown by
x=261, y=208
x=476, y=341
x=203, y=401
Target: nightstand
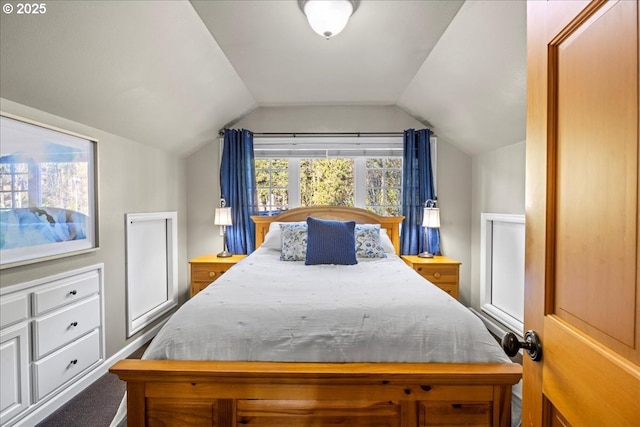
x=441, y=271
x=208, y=268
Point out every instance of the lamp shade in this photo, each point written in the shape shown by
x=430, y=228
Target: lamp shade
x=431, y=218
x=223, y=216
x=328, y=17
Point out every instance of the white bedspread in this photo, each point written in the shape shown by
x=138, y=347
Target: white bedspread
x=380, y=310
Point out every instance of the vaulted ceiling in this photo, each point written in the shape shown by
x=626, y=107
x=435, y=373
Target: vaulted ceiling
x=172, y=73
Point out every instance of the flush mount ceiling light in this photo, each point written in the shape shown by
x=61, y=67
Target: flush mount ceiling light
x=328, y=17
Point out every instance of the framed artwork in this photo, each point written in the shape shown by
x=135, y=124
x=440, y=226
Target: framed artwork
x=48, y=192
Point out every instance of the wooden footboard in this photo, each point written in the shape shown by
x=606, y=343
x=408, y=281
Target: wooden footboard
x=208, y=393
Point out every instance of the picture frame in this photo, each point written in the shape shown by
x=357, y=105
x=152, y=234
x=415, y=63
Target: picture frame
x=48, y=192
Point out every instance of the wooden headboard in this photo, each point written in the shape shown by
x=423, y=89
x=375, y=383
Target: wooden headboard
x=342, y=213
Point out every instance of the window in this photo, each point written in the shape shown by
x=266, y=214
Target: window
x=325, y=182
x=384, y=185
x=14, y=185
x=362, y=172
x=272, y=180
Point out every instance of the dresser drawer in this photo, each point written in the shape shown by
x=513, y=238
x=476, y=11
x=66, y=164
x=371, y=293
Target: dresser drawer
x=66, y=291
x=65, y=364
x=438, y=274
x=208, y=272
x=58, y=328
x=13, y=309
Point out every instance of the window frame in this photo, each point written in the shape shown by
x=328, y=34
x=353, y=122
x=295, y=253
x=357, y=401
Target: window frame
x=358, y=148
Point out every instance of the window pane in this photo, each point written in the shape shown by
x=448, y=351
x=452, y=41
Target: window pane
x=374, y=196
x=14, y=185
x=280, y=199
x=272, y=181
x=280, y=178
x=65, y=184
x=5, y=182
x=374, y=177
x=375, y=163
x=393, y=197
x=21, y=168
x=393, y=162
x=22, y=199
x=327, y=182
x=279, y=163
x=393, y=178
x=383, y=185
x=262, y=164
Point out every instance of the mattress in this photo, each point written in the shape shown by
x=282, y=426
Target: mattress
x=378, y=310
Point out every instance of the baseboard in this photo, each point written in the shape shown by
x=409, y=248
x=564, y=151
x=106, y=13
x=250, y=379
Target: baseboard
x=48, y=407
x=494, y=327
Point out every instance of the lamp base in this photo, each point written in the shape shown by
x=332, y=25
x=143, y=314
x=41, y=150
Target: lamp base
x=224, y=254
x=425, y=255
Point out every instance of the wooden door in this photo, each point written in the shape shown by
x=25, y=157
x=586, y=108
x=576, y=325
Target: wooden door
x=582, y=243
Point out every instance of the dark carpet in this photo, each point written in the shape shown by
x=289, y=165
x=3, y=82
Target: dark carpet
x=95, y=406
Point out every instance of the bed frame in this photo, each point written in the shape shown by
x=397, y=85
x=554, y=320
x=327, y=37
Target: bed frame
x=277, y=394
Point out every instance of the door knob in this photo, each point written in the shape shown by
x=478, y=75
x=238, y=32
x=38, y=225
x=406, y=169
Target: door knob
x=531, y=344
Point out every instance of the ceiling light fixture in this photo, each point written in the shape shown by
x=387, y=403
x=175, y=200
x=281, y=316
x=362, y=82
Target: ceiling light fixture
x=328, y=17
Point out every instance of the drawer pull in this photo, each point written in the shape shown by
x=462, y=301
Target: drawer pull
x=436, y=275
x=212, y=274
x=73, y=324
x=73, y=292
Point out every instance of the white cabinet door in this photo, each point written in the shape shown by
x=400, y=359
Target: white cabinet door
x=14, y=371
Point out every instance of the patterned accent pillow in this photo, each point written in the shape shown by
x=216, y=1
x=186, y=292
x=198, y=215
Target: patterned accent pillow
x=294, y=242
x=368, y=243
x=331, y=242
x=273, y=238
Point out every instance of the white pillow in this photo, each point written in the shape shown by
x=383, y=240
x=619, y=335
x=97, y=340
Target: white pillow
x=273, y=238
x=385, y=242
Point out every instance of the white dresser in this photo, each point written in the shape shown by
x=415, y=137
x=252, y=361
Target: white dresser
x=51, y=335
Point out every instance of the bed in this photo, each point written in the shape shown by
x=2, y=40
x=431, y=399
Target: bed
x=321, y=345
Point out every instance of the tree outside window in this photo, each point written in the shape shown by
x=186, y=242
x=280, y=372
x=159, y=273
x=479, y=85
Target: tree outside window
x=373, y=183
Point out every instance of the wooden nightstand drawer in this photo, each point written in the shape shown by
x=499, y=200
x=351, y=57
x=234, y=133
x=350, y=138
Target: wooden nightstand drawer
x=451, y=289
x=441, y=271
x=207, y=269
x=208, y=272
x=438, y=273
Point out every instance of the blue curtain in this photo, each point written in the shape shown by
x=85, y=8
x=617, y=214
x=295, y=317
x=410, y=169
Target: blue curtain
x=238, y=188
x=417, y=188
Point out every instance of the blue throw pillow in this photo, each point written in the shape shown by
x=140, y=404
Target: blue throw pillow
x=330, y=242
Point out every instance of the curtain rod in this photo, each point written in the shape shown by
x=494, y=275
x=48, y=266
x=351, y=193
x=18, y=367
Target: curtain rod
x=321, y=134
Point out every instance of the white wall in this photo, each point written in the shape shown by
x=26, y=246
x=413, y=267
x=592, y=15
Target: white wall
x=454, y=199
x=328, y=119
x=498, y=186
x=454, y=170
x=203, y=196
x=132, y=178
